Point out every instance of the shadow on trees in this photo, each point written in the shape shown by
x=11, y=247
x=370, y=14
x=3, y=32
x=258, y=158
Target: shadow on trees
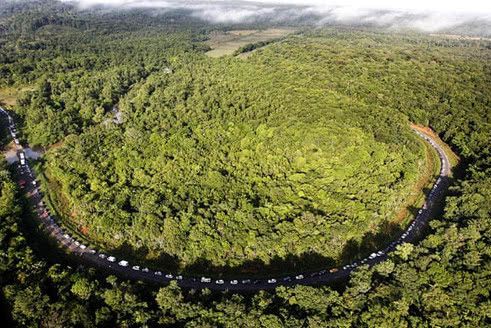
x=256, y=268
x=357, y=249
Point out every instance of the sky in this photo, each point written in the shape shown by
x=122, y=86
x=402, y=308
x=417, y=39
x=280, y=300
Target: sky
x=424, y=15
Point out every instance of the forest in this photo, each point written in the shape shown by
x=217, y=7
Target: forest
x=301, y=149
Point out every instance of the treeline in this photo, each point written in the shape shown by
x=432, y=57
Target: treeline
x=253, y=46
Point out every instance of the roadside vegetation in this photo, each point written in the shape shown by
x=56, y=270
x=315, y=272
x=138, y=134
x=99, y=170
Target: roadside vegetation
x=303, y=152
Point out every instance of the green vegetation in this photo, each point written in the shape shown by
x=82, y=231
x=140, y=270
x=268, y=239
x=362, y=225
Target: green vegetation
x=302, y=150
x=235, y=42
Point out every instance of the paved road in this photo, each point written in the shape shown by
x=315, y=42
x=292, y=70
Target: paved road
x=103, y=261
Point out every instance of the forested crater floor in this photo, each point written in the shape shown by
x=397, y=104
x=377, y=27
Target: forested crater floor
x=229, y=162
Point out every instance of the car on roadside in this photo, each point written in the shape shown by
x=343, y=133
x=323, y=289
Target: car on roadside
x=158, y=273
x=219, y=282
x=234, y=282
x=205, y=279
x=169, y=276
x=299, y=277
x=102, y=256
x=123, y=263
x=246, y=281
x=136, y=268
x=82, y=246
x=145, y=270
x=111, y=259
x=179, y=277
x=272, y=281
x=333, y=270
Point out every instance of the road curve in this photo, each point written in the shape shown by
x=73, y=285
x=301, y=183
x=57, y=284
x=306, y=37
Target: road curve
x=27, y=182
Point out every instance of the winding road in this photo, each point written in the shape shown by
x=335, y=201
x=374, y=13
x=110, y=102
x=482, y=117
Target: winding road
x=27, y=182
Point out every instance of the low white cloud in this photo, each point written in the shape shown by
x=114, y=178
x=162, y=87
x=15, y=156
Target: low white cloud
x=416, y=14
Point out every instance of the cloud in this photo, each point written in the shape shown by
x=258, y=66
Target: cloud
x=417, y=14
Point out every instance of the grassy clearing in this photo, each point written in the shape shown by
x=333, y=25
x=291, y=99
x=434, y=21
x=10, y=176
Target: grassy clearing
x=57, y=204
x=226, y=43
x=9, y=96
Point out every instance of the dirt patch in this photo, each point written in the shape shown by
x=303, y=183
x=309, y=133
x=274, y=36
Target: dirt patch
x=454, y=159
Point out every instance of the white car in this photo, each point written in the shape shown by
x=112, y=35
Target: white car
x=92, y=251
x=178, y=277
x=271, y=281
x=123, y=263
x=76, y=243
x=299, y=277
x=205, y=279
x=145, y=270
x=102, y=256
x=219, y=282
x=158, y=273
x=66, y=236
x=169, y=276
x=136, y=268
x=82, y=246
x=372, y=256
x=234, y=282
x=111, y=259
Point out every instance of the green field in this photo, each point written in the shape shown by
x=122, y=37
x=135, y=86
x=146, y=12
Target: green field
x=226, y=43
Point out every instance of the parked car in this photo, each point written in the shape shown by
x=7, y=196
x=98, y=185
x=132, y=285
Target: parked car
x=111, y=259
x=299, y=277
x=123, y=263
x=158, y=273
x=169, y=276
x=179, y=277
x=136, y=268
x=205, y=279
x=219, y=282
x=234, y=282
x=272, y=281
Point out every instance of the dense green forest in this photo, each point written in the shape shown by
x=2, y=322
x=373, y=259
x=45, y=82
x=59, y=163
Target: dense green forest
x=217, y=161
x=302, y=148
